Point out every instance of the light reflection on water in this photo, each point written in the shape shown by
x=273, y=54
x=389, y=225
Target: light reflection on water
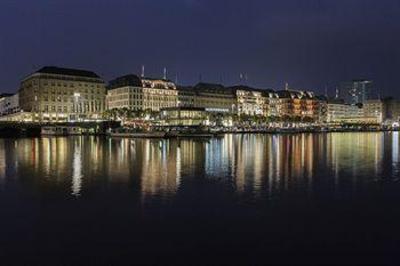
x=258, y=165
x=241, y=198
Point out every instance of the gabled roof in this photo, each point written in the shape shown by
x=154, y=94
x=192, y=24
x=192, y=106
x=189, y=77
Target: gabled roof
x=67, y=71
x=295, y=94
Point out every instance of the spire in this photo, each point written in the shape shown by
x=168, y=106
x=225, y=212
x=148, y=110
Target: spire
x=165, y=73
x=286, y=86
x=336, y=93
x=142, y=71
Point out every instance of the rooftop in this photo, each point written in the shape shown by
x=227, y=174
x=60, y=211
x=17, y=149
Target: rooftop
x=2, y=95
x=67, y=71
x=127, y=80
x=203, y=85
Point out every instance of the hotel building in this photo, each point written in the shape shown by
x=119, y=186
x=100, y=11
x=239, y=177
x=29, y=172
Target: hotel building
x=138, y=93
x=236, y=99
x=214, y=98
x=62, y=94
x=186, y=96
x=249, y=101
x=298, y=104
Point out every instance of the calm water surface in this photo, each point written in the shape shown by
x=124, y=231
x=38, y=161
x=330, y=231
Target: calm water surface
x=306, y=198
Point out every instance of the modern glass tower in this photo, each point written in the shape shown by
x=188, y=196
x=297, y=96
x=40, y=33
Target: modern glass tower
x=356, y=91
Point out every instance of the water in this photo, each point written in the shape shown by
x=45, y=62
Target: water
x=305, y=198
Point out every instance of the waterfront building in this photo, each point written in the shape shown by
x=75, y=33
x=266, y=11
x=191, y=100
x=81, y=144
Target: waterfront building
x=139, y=93
x=125, y=92
x=391, y=110
x=186, y=96
x=62, y=94
x=322, y=109
x=214, y=98
x=159, y=93
x=238, y=99
x=298, y=105
x=183, y=116
x=272, y=103
x=249, y=101
x=18, y=117
x=9, y=103
x=356, y=91
x=371, y=112
x=340, y=112
x=374, y=109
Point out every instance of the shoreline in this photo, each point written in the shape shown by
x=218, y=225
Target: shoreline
x=202, y=135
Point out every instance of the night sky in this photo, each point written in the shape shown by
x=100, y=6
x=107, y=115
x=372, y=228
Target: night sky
x=309, y=44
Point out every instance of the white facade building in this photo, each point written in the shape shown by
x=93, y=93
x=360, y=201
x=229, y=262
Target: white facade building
x=9, y=104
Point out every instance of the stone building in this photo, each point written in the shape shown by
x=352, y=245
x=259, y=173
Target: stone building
x=139, y=93
x=186, y=96
x=238, y=99
x=272, y=103
x=214, y=98
x=249, y=101
x=9, y=103
x=62, y=94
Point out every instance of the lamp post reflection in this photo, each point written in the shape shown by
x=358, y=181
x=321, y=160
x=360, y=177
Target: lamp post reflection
x=77, y=169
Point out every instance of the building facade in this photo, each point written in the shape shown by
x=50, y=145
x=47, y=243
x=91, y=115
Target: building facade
x=125, y=92
x=137, y=93
x=186, y=96
x=391, y=110
x=214, y=98
x=340, y=112
x=183, y=116
x=62, y=94
x=298, y=105
x=272, y=103
x=9, y=104
x=374, y=110
x=249, y=101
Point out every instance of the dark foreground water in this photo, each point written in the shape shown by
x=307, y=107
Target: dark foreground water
x=306, y=198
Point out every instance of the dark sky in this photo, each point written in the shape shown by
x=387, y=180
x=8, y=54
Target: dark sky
x=308, y=43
